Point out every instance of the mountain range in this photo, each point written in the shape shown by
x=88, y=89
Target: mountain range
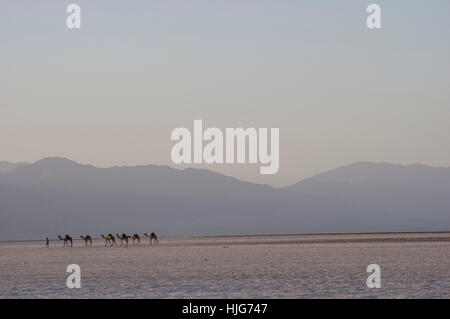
x=58, y=196
x=7, y=166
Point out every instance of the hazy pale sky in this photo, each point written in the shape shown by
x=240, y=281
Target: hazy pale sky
x=111, y=92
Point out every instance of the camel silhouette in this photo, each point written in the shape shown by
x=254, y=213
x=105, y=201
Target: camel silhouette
x=66, y=239
x=137, y=238
x=123, y=238
x=109, y=239
x=87, y=239
x=151, y=237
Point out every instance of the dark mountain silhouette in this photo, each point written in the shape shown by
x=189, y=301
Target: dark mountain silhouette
x=58, y=196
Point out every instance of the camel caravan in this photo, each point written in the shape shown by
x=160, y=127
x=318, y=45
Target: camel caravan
x=111, y=240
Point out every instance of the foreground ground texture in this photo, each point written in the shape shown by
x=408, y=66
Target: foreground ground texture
x=281, y=266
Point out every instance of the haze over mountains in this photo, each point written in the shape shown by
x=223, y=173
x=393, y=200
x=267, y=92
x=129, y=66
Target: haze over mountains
x=7, y=166
x=58, y=196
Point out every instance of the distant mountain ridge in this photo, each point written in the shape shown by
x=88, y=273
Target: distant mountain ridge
x=6, y=167
x=57, y=196
x=383, y=173
x=418, y=192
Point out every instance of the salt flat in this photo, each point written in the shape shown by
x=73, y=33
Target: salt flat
x=414, y=265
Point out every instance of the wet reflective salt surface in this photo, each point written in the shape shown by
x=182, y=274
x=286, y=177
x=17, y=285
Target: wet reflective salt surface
x=300, y=266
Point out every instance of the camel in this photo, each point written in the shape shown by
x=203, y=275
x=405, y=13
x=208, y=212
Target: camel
x=86, y=239
x=105, y=238
x=112, y=239
x=66, y=239
x=151, y=237
x=109, y=239
x=123, y=238
x=137, y=238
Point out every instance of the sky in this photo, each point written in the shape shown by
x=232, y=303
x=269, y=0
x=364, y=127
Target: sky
x=111, y=92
